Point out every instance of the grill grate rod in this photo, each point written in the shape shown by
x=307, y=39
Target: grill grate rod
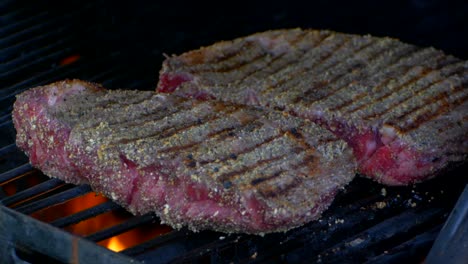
x=174, y=235
x=6, y=124
x=36, y=80
x=9, y=15
x=43, y=26
x=122, y=227
x=17, y=32
x=85, y=214
x=58, y=74
x=6, y=119
x=8, y=149
x=400, y=253
x=15, y=69
x=54, y=199
x=33, y=191
x=10, y=52
x=391, y=228
x=13, y=173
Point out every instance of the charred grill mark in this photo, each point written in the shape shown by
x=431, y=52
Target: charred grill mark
x=295, y=133
x=378, y=87
x=344, y=71
x=254, y=60
x=393, y=91
x=132, y=120
x=177, y=149
x=355, y=68
x=370, y=65
x=453, y=127
x=279, y=191
x=298, y=39
x=308, y=159
x=257, y=181
x=227, y=131
x=228, y=176
x=242, y=64
x=268, y=65
x=403, y=71
x=171, y=132
x=349, y=102
x=428, y=115
x=196, y=123
x=295, y=65
x=212, y=139
x=114, y=103
x=245, y=151
x=305, y=53
x=311, y=91
x=227, y=54
x=405, y=85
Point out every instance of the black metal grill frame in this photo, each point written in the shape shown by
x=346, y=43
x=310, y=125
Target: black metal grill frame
x=36, y=37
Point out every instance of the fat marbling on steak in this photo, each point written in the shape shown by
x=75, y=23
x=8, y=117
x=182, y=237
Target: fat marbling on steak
x=204, y=164
x=403, y=109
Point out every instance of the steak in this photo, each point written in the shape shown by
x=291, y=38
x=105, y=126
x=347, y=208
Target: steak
x=201, y=164
x=401, y=108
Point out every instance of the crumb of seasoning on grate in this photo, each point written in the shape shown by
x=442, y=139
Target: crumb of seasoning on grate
x=339, y=221
x=355, y=242
x=383, y=192
x=411, y=203
x=380, y=205
x=69, y=60
x=254, y=255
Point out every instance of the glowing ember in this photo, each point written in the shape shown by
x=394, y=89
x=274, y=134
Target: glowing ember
x=115, y=244
x=69, y=60
x=135, y=236
x=91, y=225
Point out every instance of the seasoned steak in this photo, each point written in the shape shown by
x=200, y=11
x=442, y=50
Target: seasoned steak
x=204, y=164
x=403, y=109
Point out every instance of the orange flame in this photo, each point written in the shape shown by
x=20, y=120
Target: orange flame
x=92, y=225
x=69, y=60
x=115, y=244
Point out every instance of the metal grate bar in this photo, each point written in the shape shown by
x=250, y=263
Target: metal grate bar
x=85, y=214
x=28, y=234
x=177, y=234
x=8, y=149
x=399, y=254
x=7, y=117
x=14, y=69
x=54, y=199
x=105, y=75
x=11, y=174
x=47, y=24
x=396, y=227
x=13, y=27
x=33, y=191
x=12, y=11
x=120, y=228
x=8, y=53
x=5, y=125
x=55, y=74
x=38, y=79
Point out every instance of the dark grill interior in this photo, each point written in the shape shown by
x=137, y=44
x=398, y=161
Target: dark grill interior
x=122, y=46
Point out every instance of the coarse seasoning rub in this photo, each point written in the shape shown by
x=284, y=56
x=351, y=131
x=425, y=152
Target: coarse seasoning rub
x=201, y=164
x=401, y=108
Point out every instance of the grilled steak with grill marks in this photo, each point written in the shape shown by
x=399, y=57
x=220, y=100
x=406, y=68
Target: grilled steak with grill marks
x=205, y=164
x=403, y=109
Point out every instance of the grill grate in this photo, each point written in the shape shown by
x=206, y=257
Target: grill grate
x=121, y=46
